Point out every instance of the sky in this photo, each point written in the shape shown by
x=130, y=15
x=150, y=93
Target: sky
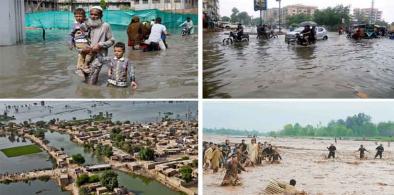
x=272, y=116
x=387, y=6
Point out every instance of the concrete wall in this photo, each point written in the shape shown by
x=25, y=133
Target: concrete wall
x=12, y=22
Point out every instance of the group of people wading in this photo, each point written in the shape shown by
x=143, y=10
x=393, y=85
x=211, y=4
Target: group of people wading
x=379, y=151
x=92, y=37
x=234, y=158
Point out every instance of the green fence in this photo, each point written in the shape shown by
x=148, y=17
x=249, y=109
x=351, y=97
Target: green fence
x=65, y=19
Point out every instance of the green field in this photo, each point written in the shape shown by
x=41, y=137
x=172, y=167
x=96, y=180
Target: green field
x=21, y=150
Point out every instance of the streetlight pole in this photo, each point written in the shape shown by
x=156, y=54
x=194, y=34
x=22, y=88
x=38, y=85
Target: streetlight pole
x=280, y=15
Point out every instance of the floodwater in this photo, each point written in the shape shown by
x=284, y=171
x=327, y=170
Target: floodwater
x=59, y=141
x=121, y=110
x=336, y=68
x=21, y=163
x=39, y=69
x=304, y=160
x=32, y=187
x=143, y=186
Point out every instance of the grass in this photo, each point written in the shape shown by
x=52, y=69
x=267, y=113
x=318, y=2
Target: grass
x=21, y=150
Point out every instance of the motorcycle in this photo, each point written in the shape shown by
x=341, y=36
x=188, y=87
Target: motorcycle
x=185, y=31
x=234, y=38
x=301, y=40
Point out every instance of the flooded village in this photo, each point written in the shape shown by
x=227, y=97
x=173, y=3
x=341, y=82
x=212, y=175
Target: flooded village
x=162, y=153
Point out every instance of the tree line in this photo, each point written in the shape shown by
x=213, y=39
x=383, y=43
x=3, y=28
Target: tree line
x=359, y=125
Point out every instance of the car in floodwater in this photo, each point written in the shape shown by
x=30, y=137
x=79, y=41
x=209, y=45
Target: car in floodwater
x=228, y=25
x=321, y=34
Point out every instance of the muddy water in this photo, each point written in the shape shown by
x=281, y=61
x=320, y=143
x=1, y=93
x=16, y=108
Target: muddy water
x=304, y=160
x=121, y=110
x=32, y=187
x=21, y=163
x=336, y=68
x=47, y=69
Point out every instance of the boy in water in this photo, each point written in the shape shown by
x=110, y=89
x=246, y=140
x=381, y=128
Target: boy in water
x=80, y=40
x=120, y=69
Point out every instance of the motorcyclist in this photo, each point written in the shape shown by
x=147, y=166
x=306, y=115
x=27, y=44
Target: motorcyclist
x=305, y=35
x=188, y=25
x=312, y=36
x=240, y=31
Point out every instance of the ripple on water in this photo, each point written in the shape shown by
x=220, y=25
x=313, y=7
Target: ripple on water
x=330, y=63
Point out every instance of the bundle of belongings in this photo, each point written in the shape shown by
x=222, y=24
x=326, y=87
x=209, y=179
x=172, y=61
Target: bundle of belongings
x=282, y=188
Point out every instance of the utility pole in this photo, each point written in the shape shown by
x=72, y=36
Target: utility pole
x=280, y=15
x=371, y=12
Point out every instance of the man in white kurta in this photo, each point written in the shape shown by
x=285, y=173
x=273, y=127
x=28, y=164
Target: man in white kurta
x=253, y=151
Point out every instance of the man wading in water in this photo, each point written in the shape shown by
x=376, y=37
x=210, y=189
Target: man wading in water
x=101, y=39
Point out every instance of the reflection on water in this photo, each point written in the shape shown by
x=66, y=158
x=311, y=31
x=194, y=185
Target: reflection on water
x=46, y=69
x=32, y=187
x=337, y=68
x=143, y=186
x=59, y=141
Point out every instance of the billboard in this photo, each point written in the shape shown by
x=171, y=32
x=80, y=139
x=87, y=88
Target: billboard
x=260, y=5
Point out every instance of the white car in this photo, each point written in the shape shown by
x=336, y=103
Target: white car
x=228, y=25
x=321, y=34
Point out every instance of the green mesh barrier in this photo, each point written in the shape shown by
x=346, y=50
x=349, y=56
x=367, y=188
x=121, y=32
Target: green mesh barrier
x=65, y=19
x=53, y=21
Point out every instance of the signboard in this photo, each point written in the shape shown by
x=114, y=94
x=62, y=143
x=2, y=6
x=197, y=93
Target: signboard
x=260, y=5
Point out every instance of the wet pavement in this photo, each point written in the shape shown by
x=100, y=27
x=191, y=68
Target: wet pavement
x=336, y=68
x=39, y=69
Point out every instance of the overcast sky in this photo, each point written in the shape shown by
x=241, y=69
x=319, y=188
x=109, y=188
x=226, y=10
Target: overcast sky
x=387, y=6
x=272, y=116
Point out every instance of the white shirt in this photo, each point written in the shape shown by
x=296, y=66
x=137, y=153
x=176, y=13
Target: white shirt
x=188, y=24
x=156, y=31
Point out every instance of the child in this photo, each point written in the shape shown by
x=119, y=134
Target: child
x=80, y=40
x=120, y=68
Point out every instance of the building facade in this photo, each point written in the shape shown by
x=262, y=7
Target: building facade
x=12, y=20
x=211, y=9
x=40, y=5
x=367, y=14
x=292, y=10
x=173, y=5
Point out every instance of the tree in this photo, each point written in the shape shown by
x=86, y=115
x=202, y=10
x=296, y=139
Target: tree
x=78, y=158
x=103, y=4
x=332, y=17
x=186, y=173
x=234, y=17
x=82, y=179
x=40, y=133
x=41, y=124
x=226, y=19
x=107, y=151
x=109, y=179
x=147, y=154
x=296, y=19
x=83, y=191
x=244, y=18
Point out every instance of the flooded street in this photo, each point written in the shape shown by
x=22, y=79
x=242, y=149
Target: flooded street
x=304, y=160
x=336, y=68
x=46, y=69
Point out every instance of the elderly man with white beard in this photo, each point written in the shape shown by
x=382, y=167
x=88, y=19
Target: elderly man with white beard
x=101, y=39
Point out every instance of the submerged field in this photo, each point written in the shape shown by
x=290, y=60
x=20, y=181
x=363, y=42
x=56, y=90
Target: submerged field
x=21, y=150
x=305, y=161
